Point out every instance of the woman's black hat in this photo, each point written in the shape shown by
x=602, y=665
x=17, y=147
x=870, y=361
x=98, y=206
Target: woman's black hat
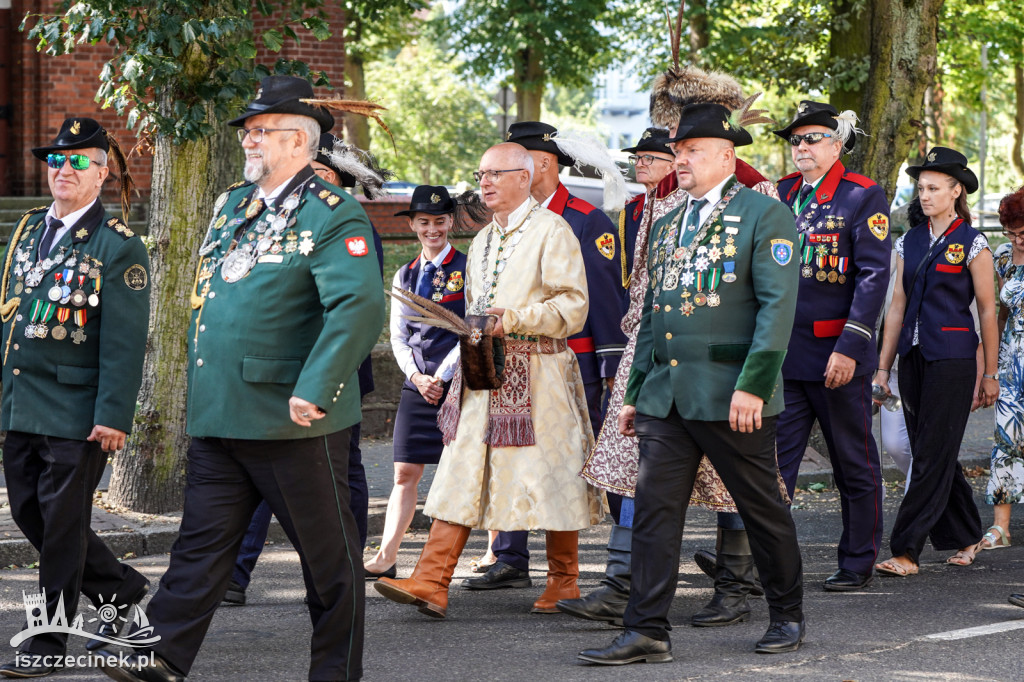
x=538, y=137
x=284, y=95
x=652, y=140
x=76, y=133
x=948, y=161
x=709, y=120
x=431, y=199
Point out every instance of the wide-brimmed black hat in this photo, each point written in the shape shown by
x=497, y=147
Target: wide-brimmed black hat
x=810, y=113
x=76, y=133
x=431, y=199
x=538, y=137
x=709, y=120
x=652, y=140
x=323, y=151
x=948, y=161
x=284, y=95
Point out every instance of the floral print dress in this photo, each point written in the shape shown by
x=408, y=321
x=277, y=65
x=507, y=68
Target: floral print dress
x=1006, y=483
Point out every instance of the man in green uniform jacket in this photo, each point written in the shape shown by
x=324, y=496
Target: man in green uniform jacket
x=75, y=310
x=286, y=304
x=706, y=378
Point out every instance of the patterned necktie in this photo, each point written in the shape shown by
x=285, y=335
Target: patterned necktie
x=47, y=241
x=693, y=220
x=426, y=285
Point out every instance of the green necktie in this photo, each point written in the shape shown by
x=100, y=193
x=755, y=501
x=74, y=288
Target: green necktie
x=693, y=220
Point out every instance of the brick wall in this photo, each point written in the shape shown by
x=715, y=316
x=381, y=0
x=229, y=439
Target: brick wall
x=382, y=214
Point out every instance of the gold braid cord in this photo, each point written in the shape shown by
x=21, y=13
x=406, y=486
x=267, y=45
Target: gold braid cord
x=626, y=276
x=8, y=307
x=355, y=106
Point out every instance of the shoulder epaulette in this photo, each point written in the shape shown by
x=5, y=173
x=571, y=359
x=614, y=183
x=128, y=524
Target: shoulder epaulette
x=37, y=209
x=789, y=177
x=577, y=204
x=240, y=183
x=118, y=225
x=859, y=179
x=322, y=192
x=638, y=197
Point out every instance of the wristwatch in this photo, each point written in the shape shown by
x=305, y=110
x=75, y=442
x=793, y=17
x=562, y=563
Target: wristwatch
x=991, y=376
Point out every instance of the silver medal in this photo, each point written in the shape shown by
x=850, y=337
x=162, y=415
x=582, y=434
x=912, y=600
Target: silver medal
x=236, y=265
x=279, y=223
x=34, y=277
x=54, y=293
x=291, y=203
x=94, y=299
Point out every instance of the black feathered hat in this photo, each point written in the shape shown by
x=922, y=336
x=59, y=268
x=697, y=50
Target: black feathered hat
x=948, y=161
x=285, y=95
x=431, y=199
x=810, y=113
x=539, y=137
x=709, y=120
x=652, y=140
x=76, y=133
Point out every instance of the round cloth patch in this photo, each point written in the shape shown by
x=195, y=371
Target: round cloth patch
x=136, y=277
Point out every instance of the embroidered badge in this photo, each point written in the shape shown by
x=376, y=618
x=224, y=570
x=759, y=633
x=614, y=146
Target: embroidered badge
x=82, y=234
x=879, y=225
x=455, y=281
x=357, y=246
x=136, y=277
x=955, y=253
x=782, y=251
x=606, y=245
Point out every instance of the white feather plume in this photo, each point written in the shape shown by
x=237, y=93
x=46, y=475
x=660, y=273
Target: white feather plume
x=357, y=163
x=587, y=151
x=847, y=121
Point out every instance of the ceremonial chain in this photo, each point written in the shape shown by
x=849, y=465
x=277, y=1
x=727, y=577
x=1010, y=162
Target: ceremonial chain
x=687, y=251
x=482, y=302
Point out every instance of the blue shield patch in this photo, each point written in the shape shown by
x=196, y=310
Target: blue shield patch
x=782, y=251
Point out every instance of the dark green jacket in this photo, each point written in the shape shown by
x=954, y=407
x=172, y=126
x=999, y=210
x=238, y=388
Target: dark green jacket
x=298, y=324
x=698, y=361
x=57, y=387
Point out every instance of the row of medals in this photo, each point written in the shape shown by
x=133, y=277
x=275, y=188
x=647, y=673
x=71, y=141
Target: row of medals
x=826, y=243
x=266, y=237
x=679, y=267
x=30, y=276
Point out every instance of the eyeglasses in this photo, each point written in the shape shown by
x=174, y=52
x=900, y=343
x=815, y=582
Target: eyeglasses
x=645, y=159
x=256, y=134
x=1015, y=236
x=492, y=175
x=78, y=161
x=809, y=138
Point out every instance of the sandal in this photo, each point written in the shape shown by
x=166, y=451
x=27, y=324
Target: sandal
x=890, y=567
x=965, y=557
x=997, y=540
x=478, y=566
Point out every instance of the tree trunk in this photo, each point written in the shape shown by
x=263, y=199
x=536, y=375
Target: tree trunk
x=850, y=44
x=903, y=60
x=149, y=473
x=698, y=29
x=1017, y=154
x=357, y=128
x=529, y=83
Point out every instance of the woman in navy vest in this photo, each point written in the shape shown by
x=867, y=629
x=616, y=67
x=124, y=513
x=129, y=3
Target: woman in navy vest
x=428, y=357
x=944, y=264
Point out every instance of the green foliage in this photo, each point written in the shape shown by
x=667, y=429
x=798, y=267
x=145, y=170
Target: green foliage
x=197, y=55
x=380, y=28
x=440, y=121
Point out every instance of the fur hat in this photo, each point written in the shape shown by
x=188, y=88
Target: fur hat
x=679, y=87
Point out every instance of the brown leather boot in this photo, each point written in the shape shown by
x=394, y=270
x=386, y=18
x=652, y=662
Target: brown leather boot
x=427, y=587
x=563, y=570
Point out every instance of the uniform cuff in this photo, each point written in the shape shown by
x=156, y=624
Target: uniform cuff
x=636, y=380
x=760, y=373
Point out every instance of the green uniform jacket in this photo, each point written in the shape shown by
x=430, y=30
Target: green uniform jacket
x=697, y=360
x=56, y=387
x=299, y=323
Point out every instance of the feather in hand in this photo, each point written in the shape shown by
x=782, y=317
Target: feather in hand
x=430, y=313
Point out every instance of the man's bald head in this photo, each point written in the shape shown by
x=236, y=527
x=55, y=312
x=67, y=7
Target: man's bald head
x=507, y=189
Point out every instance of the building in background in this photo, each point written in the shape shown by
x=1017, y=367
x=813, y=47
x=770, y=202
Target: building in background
x=622, y=105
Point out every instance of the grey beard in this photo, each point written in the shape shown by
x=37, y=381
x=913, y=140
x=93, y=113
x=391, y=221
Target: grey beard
x=255, y=171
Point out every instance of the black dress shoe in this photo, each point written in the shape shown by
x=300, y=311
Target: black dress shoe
x=782, y=636
x=24, y=666
x=499, y=575
x=630, y=647
x=391, y=572
x=845, y=580
x=147, y=667
x=114, y=628
x=603, y=604
x=1017, y=599
x=235, y=595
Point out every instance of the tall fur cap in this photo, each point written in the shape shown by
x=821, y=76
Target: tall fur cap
x=677, y=88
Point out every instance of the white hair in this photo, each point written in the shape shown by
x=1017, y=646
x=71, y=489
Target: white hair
x=101, y=157
x=307, y=125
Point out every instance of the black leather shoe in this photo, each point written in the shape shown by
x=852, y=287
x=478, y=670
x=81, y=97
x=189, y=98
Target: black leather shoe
x=499, y=575
x=114, y=628
x=782, y=636
x=1017, y=599
x=845, y=580
x=386, y=573
x=603, y=604
x=235, y=596
x=147, y=667
x=630, y=647
x=24, y=666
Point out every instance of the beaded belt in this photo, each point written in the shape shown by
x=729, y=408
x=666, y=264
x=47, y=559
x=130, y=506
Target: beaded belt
x=520, y=343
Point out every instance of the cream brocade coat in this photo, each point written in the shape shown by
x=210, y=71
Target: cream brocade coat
x=544, y=291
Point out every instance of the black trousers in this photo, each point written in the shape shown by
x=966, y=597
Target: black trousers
x=939, y=505
x=50, y=484
x=670, y=451
x=305, y=482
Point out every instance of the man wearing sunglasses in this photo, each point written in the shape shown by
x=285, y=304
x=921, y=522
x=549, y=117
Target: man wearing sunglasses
x=75, y=310
x=843, y=222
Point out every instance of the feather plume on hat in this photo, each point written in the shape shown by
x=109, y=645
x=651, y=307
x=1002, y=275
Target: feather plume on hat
x=354, y=106
x=589, y=152
x=362, y=166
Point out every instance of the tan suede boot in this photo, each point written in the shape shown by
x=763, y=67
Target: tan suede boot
x=563, y=570
x=427, y=587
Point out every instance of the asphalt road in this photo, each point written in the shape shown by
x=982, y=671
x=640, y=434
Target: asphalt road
x=915, y=628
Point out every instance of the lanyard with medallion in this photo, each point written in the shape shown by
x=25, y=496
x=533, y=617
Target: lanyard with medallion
x=798, y=208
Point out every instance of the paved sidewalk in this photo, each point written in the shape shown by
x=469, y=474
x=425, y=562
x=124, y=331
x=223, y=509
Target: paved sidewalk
x=132, y=534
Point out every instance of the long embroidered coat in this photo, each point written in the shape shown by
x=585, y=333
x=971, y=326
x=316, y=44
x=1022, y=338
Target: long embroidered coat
x=543, y=288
